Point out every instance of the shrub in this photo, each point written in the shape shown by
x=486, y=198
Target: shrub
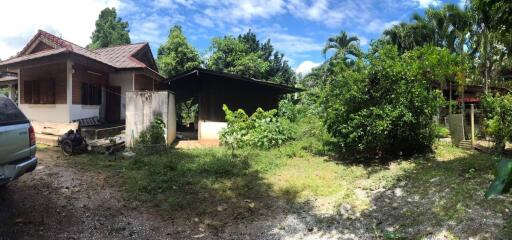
x=263, y=129
x=498, y=119
x=154, y=134
x=383, y=106
x=442, y=132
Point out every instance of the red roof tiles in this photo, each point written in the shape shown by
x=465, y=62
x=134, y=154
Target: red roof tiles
x=117, y=56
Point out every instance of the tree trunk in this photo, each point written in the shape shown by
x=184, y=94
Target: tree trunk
x=450, y=98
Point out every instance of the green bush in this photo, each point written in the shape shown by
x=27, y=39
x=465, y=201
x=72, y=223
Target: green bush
x=498, y=119
x=442, y=132
x=154, y=134
x=263, y=129
x=384, y=106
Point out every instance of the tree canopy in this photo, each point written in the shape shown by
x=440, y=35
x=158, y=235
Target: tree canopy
x=247, y=56
x=176, y=55
x=110, y=30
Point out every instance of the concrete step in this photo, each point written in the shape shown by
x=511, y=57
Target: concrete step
x=466, y=144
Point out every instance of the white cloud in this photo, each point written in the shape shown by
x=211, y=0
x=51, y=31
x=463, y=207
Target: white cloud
x=234, y=11
x=363, y=41
x=427, y=3
x=305, y=67
x=74, y=21
x=294, y=44
x=377, y=26
x=203, y=21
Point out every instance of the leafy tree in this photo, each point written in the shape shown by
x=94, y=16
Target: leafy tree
x=443, y=27
x=176, y=55
x=385, y=105
x=495, y=15
x=247, y=56
x=234, y=56
x=110, y=30
x=491, y=43
x=498, y=119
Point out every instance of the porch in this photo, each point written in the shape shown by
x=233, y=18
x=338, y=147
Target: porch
x=9, y=85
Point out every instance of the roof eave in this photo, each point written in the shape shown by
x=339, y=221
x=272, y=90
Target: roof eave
x=198, y=71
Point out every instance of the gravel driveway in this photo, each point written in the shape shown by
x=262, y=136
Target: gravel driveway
x=57, y=201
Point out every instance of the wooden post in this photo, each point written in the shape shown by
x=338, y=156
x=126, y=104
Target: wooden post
x=450, y=97
x=473, y=124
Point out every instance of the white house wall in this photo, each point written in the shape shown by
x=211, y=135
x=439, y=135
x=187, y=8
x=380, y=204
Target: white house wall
x=58, y=113
x=125, y=80
x=210, y=131
x=84, y=111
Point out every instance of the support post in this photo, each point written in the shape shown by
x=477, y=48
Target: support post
x=473, y=124
x=69, y=89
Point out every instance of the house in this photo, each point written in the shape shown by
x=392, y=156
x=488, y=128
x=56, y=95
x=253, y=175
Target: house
x=211, y=89
x=58, y=81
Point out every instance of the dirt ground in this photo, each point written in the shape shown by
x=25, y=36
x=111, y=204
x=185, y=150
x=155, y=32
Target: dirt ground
x=57, y=201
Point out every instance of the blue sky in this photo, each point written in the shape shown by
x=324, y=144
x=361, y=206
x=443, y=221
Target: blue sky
x=298, y=28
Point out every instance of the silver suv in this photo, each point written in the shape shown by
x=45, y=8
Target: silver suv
x=17, y=142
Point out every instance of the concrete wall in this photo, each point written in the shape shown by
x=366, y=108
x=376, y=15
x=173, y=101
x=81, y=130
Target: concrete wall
x=125, y=80
x=209, y=130
x=84, y=111
x=58, y=113
x=456, y=128
x=141, y=109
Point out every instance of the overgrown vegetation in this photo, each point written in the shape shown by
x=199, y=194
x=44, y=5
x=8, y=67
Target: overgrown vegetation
x=263, y=129
x=498, y=119
x=153, y=135
x=359, y=105
x=384, y=108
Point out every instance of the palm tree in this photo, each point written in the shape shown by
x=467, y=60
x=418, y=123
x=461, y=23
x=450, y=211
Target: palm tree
x=407, y=36
x=346, y=47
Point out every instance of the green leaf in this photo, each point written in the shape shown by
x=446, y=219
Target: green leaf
x=503, y=179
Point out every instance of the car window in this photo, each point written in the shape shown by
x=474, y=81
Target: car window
x=9, y=113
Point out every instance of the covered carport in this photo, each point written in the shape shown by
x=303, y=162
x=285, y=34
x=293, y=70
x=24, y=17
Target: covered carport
x=211, y=89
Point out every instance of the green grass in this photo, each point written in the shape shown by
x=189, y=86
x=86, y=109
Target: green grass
x=211, y=182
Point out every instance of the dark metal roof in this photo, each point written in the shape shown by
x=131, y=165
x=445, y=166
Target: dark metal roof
x=201, y=71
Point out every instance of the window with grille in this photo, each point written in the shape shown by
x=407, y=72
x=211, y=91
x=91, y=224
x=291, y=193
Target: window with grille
x=91, y=94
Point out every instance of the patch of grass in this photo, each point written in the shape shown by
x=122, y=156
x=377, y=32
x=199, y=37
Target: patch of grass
x=448, y=185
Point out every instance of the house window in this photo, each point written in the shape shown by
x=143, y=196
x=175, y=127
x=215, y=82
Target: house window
x=39, y=92
x=91, y=94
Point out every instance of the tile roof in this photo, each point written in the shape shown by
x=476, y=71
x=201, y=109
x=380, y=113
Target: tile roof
x=118, y=56
x=33, y=56
x=121, y=56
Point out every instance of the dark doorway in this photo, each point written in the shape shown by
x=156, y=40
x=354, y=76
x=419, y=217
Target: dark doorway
x=113, y=113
